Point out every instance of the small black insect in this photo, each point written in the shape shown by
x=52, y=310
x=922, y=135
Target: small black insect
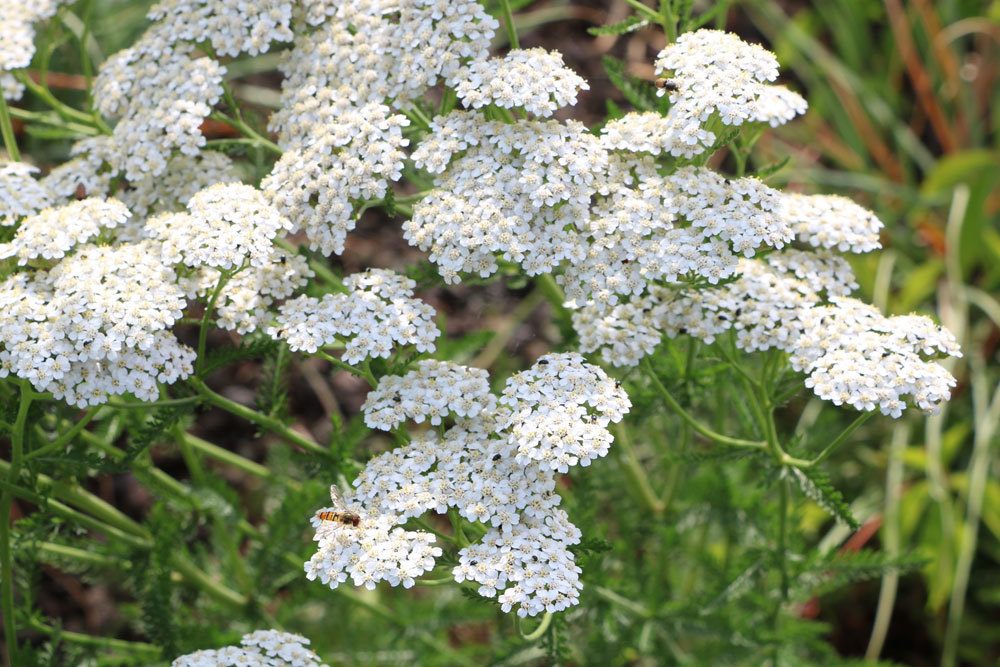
x=666, y=84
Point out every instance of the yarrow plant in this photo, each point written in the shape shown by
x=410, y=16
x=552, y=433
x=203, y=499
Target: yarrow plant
x=155, y=256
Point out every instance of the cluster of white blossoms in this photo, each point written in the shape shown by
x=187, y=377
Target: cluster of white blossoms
x=17, y=39
x=378, y=50
x=342, y=139
x=549, y=195
x=263, y=648
x=377, y=312
x=52, y=232
x=160, y=93
x=854, y=355
x=96, y=324
x=431, y=392
x=231, y=27
x=20, y=193
x=227, y=225
x=496, y=464
x=535, y=80
x=332, y=159
x=714, y=75
x=795, y=301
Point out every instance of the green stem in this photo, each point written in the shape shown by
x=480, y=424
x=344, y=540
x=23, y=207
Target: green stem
x=249, y=132
x=646, y=11
x=231, y=458
x=154, y=404
x=60, y=552
x=538, y=632
x=842, y=438
x=67, y=437
x=508, y=19
x=691, y=421
x=273, y=425
x=109, y=515
x=64, y=110
x=361, y=372
x=69, y=514
x=153, y=652
x=6, y=503
x=7, y=131
x=189, y=455
x=224, y=277
x=639, y=480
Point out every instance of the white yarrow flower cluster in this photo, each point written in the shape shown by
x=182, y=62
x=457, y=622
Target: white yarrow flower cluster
x=331, y=161
x=431, y=392
x=497, y=464
x=535, y=80
x=831, y=221
x=232, y=27
x=17, y=39
x=854, y=355
x=160, y=93
x=227, y=225
x=95, y=325
x=378, y=312
x=375, y=550
x=20, y=193
x=716, y=76
x=53, y=232
x=262, y=648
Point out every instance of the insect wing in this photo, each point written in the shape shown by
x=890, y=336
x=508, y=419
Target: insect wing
x=337, y=500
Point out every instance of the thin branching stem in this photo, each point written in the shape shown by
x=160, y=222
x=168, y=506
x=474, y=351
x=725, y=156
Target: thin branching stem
x=690, y=420
x=6, y=503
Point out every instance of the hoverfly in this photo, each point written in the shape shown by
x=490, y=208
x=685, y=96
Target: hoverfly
x=340, y=514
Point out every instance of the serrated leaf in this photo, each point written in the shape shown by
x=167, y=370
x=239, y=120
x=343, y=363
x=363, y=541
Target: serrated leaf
x=631, y=24
x=254, y=348
x=816, y=486
x=640, y=94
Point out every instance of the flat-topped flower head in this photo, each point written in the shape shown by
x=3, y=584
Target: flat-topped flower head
x=466, y=469
x=330, y=162
x=377, y=314
x=716, y=75
x=226, y=225
x=430, y=392
x=535, y=80
x=528, y=567
x=161, y=93
x=263, y=648
x=17, y=30
x=53, y=232
x=95, y=325
x=384, y=50
x=559, y=411
x=232, y=27
x=854, y=355
x=185, y=176
x=831, y=221
x=20, y=193
x=375, y=550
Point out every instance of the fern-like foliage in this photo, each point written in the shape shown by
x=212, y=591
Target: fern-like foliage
x=639, y=93
x=272, y=394
x=252, y=347
x=631, y=24
x=155, y=590
x=816, y=486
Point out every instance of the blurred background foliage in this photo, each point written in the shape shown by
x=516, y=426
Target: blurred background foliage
x=904, y=109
